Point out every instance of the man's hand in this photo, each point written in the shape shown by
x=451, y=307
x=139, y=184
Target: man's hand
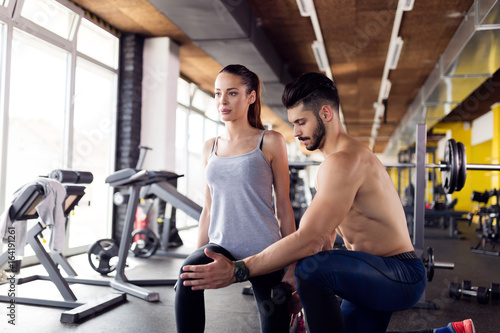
x=217, y=274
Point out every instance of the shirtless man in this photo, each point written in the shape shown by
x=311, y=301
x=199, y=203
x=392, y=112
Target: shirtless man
x=379, y=273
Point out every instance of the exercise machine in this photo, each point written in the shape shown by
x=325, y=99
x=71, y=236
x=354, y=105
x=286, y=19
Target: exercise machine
x=141, y=184
x=145, y=241
x=488, y=223
x=23, y=208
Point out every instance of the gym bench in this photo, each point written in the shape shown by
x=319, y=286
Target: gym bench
x=24, y=208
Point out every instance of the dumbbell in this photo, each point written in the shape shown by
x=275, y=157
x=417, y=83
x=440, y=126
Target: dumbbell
x=495, y=291
x=456, y=290
x=430, y=264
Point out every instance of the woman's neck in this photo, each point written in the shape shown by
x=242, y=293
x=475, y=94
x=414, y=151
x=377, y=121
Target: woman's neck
x=236, y=130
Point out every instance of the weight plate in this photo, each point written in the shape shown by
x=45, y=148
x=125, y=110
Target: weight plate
x=430, y=264
x=495, y=291
x=450, y=173
x=103, y=256
x=454, y=290
x=145, y=243
x=462, y=170
x=483, y=295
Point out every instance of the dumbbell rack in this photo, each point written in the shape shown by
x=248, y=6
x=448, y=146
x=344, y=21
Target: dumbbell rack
x=483, y=294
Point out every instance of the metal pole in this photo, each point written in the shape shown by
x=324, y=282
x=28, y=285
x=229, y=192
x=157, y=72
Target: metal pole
x=399, y=165
x=479, y=167
x=419, y=207
x=485, y=167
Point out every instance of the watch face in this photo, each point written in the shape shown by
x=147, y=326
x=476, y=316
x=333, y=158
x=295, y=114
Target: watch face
x=240, y=272
x=241, y=275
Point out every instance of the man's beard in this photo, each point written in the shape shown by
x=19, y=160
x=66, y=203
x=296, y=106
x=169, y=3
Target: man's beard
x=317, y=136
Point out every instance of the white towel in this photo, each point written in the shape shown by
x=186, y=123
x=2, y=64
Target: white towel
x=50, y=211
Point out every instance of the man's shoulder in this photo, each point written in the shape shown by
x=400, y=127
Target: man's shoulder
x=341, y=158
x=352, y=161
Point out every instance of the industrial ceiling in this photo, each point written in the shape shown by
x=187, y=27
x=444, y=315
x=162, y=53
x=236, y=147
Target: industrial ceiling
x=395, y=63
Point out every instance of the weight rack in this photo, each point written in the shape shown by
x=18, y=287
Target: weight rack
x=419, y=211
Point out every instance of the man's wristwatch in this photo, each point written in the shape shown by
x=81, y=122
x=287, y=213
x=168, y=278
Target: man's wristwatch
x=241, y=271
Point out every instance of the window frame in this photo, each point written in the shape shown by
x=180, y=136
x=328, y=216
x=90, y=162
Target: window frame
x=11, y=18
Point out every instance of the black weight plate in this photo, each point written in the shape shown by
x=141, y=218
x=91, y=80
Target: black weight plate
x=449, y=175
x=483, y=295
x=495, y=291
x=454, y=290
x=430, y=263
x=462, y=170
x=145, y=243
x=103, y=256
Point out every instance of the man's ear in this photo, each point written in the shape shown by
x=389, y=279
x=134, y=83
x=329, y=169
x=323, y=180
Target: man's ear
x=326, y=113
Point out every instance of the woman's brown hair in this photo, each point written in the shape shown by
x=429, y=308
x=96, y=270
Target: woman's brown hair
x=252, y=82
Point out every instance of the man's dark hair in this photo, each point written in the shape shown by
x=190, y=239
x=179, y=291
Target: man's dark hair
x=313, y=90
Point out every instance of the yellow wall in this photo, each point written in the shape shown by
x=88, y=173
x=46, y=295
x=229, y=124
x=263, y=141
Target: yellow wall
x=429, y=196
x=495, y=146
x=484, y=153
x=480, y=181
x=393, y=173
x=404, y=174
x=403, y=182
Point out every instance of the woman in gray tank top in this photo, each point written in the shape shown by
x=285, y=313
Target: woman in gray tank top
x=242, y=167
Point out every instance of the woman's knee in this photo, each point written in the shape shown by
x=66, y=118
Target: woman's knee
x=196, y=259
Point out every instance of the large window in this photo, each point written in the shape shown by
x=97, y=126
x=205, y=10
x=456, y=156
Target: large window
x=98, y=44
x=93, y=148
x=36, y=109
x=197, y=120
x=52, y=16
x=58, y=105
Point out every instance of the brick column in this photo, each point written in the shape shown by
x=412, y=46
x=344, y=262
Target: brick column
x=129, y=114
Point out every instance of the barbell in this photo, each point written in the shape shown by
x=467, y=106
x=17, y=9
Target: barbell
x=453, y=167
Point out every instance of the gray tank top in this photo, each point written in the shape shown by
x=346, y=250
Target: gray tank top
x=242, y=217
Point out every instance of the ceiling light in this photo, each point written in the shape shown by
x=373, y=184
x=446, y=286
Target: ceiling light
x=304, y=7
x=395, y=52
x=391, y=61
x=386, y=88
x=320, y=55
x=408, y=5
x=379, y=114
x=307, y=9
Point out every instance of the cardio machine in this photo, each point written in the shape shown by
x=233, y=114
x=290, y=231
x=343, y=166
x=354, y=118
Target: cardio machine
x=139, y=184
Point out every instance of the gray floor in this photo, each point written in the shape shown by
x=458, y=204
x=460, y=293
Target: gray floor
x=228, y=310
